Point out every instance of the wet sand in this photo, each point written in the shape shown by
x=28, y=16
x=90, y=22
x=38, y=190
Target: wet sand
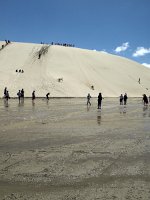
x=62, y=150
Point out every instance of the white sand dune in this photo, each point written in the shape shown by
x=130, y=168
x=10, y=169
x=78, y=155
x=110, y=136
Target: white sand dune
x=79, y=68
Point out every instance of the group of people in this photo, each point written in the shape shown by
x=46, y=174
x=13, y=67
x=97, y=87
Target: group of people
x=6, y=43
x=123, y=99
x=63, y=44
x=20, y=95
x=100, y=98
x=60, y=44
x=20, y=70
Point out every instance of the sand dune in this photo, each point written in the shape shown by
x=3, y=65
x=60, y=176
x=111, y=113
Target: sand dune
x=79, y=68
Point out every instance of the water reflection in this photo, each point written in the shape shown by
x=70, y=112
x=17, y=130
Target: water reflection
x=145, y=111
x=99, y=118
x=33, y=103
x=88, y=108
x=47, y=101
x=21, y=103
x=123, y=109
x=6, y=103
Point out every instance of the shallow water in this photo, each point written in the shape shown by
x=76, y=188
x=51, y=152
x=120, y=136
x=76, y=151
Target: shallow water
x=68, y=119
x=66, y=145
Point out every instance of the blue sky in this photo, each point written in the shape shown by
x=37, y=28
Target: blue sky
x=119, y=27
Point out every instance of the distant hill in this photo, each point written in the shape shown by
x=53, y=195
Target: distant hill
x=68, y=72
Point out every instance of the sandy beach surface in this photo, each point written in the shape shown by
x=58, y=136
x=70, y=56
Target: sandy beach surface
x=62, y=150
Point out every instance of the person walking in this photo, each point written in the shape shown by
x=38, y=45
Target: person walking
x=99, y=100
x=88, y=99
x=33, y=95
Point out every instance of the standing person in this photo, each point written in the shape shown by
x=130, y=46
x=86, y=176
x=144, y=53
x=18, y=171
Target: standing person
x=47, y=96
x=125, y=99
x=39, y=55
x=7, y=95
x=145, y=99
x=99, y=100
x=139, y=80
x=19, y=95
x=88, y=99
x=121, y=99
x=33, y=95
x=5, y=91
x=22, y=93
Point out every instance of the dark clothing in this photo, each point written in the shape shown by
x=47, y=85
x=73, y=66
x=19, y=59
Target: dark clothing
x=7, y=95
x=22, y=93
x=121, y=99
x=139, y=80
x=47, y=96
x=19, y=95
x=39, y=56
x=145, y=99
x=99, y=100
x=125, y=99
x=5, y=91
x=88, y=99
x=33, y=95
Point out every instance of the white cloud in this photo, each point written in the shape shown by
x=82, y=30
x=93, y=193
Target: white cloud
x=123, y=47
x=146, y=65
x=141, y=51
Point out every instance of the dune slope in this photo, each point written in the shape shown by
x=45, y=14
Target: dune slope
x=69, y=72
